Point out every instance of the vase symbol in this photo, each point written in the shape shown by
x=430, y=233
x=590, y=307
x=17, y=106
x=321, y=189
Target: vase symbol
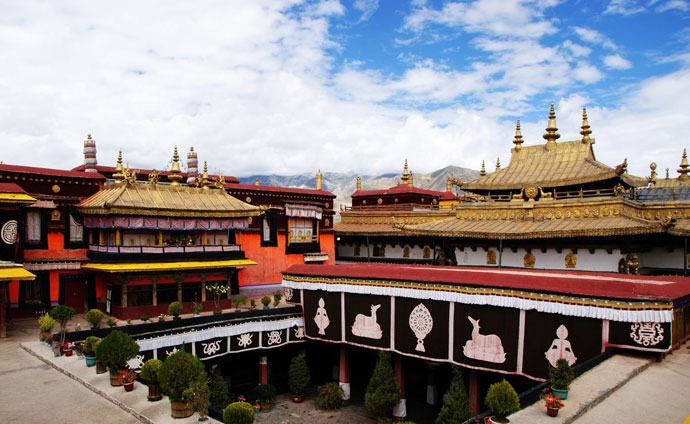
x=421, y=324
x=561, y=348
x=321, y=317
x=484, y=347
x=366, y=326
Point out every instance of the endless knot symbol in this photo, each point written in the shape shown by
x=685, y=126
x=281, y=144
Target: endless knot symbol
x=210, y=349
x=274, y=337
x=245, y=339
x=647, y=333
x=9, y=232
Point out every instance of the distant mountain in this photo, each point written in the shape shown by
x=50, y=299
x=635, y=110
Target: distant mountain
x=344, y=184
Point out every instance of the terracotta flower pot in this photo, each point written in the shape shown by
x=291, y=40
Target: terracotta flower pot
x=129, y=386
x=297, y=398
x=115, y=380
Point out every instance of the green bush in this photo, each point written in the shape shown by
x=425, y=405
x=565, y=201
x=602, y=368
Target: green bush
x=456, y=404
x=298, y=375
x=220, y=395
x=266, y=301
x=62, y=314
x=239, y=301
x=175, y=309
x=144, y=318
x=238, y=413
x=562, y=375
x=116, y=349
x=111, y=322
x=90, y=345
x=276, y=298
x=94, y=317
x=502, y=399
x=198, y=395
x=149, y=371
x=179, y=371
x=46, y=323
x=329, y=396
x=382, y=391
x=265, y=393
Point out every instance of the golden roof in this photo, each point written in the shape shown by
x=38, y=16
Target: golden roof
x=166, y=266
x=165, y=200
x=10, y=271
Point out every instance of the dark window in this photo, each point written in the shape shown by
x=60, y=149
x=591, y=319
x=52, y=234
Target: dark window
x=140, y=295
x=167, y=293
x=269, y=230
x=191, y=292
x=36, y=230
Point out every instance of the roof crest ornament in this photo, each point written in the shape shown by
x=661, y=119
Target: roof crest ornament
x=220, y=181
x=154, y=177
x=498, y=164
x=482, y=172
x=118, y=175
x=204, y=178
x=551, y=135
x=683, y=170
x=518, y=137
x=652, y=175
x=319, y=180
x=174, y=176
x=359, y=183
x=586, y=131
x=257, y=182
x=622, y=168
x=405, y=175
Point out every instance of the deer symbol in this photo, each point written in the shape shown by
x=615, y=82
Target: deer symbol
x=366, y=326
x=484, y=347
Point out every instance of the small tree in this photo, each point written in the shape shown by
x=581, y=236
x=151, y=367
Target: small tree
x=562, y=375
x=62, y=314
x=329, y=396
x=94, y=317
x=276, y=298
x=90, y=345
x=502, y=399
x=46, y=323
x=238, y=413
x=382, y=391
x=175, y=309
x=265, y=393
x=198, y=395
x=239, y=301
x=149, y=372
x=116, y=349
x=217, y=289
x=179, y=371
x=266, y=300
x=220, y=395
x=298, y=375
x=456, y=405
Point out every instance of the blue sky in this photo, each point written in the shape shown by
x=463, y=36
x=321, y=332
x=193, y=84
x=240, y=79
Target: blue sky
x=290, y=86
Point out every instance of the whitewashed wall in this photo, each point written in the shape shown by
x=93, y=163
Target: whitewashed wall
x=661, y=257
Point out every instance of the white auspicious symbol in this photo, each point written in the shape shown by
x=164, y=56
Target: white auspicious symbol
x=136, y=362
x=9, y=232
x=321, y=317
x=647, y=333
x=245, y=339
x=171, y=352
x=299, y=332
x=274, y=337
x=484, y=347
x=421, y=324
x=366, y=326
x=560, y=348
x=288, y=293
x=211, y=348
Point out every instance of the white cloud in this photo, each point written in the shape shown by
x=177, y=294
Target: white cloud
x=624, y=7
x=367, y=7
x=576, y=49
x=681, y=5
x=587, y=73
x=593, y=36
x=616, y=61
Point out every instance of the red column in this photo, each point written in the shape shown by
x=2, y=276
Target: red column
x=263, y=370
x=474, y=390
x=400, y=410
x=431, y=388
x=344, y=372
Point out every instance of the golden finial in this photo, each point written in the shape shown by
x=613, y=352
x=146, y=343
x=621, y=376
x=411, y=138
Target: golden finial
x=586, y=131
x=652, y=175
x=667, y=173
x=154, y=177
x=518, y=137
x=448, y=184
x=174, y=176
x=405, y=175
x=118, y=175
x=551, y=135
x=482, y=172
x=498, y=164
x=410, y=181
x=220, y=181
x=683, y=170
x=257, y=182
x=88, y=136
x=204, y=178
x=319, y=180
x=359, y=184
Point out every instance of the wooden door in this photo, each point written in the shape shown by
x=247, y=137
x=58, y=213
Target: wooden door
x=75, y=295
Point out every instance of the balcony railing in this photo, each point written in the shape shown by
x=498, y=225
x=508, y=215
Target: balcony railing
x=303, y=239
x=163, y=249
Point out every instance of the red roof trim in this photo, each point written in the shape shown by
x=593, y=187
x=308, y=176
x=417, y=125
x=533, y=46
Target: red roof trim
x=11, y=188
x=49, y=171
x=401, y=188
x=111, y=169
x=253, y=187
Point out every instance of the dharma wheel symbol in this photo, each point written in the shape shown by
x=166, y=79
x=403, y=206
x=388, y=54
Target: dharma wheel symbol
x=421, y=324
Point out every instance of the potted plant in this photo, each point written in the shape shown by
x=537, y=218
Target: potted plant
x=252, y=304
x=177, y=373
x=112, y=322
x=456, y=403
x=197, y=308
x=101, y=368
x=67, y=348
x=149, y=372
x=144, y=318
x=239, y=301
x=175, y=309
x=62, y=314
x=552, y=403
x=382, y=391
x=502, y=400
x=94, y=317
x=127, y=378
x=265, y=394
x=217, y=289
x=266, y=301
x=90, y=350
x=561, y=376
x=276, y=298
x=115, y=350
x=46, y=324
x=329, y=396
x=198, y=394
x=298, y=378
x=238, y=413
x=220, y=395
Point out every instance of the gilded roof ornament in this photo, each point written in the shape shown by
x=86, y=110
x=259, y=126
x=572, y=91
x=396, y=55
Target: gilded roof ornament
x=498, y=164
x=174, y=176
x=517, y=141
x=683, y=170
x=257, y=182
x=154, y=177
x=448, y=184
x=118, y=175
x=359, y=183
x=219, y=182
x=667, y=173
x=586, y=131
x=319, y=180
x=622, y=168
x=482, y=172
x=410, y=179
x=551, y=135
x=129, y=176
x=204, y=178
x=652, y=175
x=405, y=175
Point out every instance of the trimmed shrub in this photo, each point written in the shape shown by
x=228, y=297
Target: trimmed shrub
x=298, y=375
x=149, y=372
x=175, y=309
x=116, y=349
x=502, y=399
x=276, y=298
x=90, y=345
x=239, y=301
x=562, y=375
x=382, y=391
x=62, y=314
x=94, y=317
x=220, y=395
x=238, y=413
x=178, y=372
x=456, y=404
x=266, y=301
x=265, y=393
x=329, y=396
x=46, y=323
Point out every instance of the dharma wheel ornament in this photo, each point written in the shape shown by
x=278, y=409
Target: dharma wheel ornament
x=421, y=324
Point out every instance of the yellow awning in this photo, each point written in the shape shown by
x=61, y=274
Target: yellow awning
x=15, y=273
x=166, y=266
x=16, y=198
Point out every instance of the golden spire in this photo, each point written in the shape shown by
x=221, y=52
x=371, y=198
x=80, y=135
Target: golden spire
x=518, y=137
x=586, y=131
x=482, y=172
x=652, y=176
x=667, y=173
x=410, y=181
x=683, y=170
x=448, y=185
x=405, y=175
x=174, y=176
x=359, y=184
x=204, y=178
x=257, y=182
x=551, y=135
x=119, y=175
x=319, y=180
x=498, y=164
